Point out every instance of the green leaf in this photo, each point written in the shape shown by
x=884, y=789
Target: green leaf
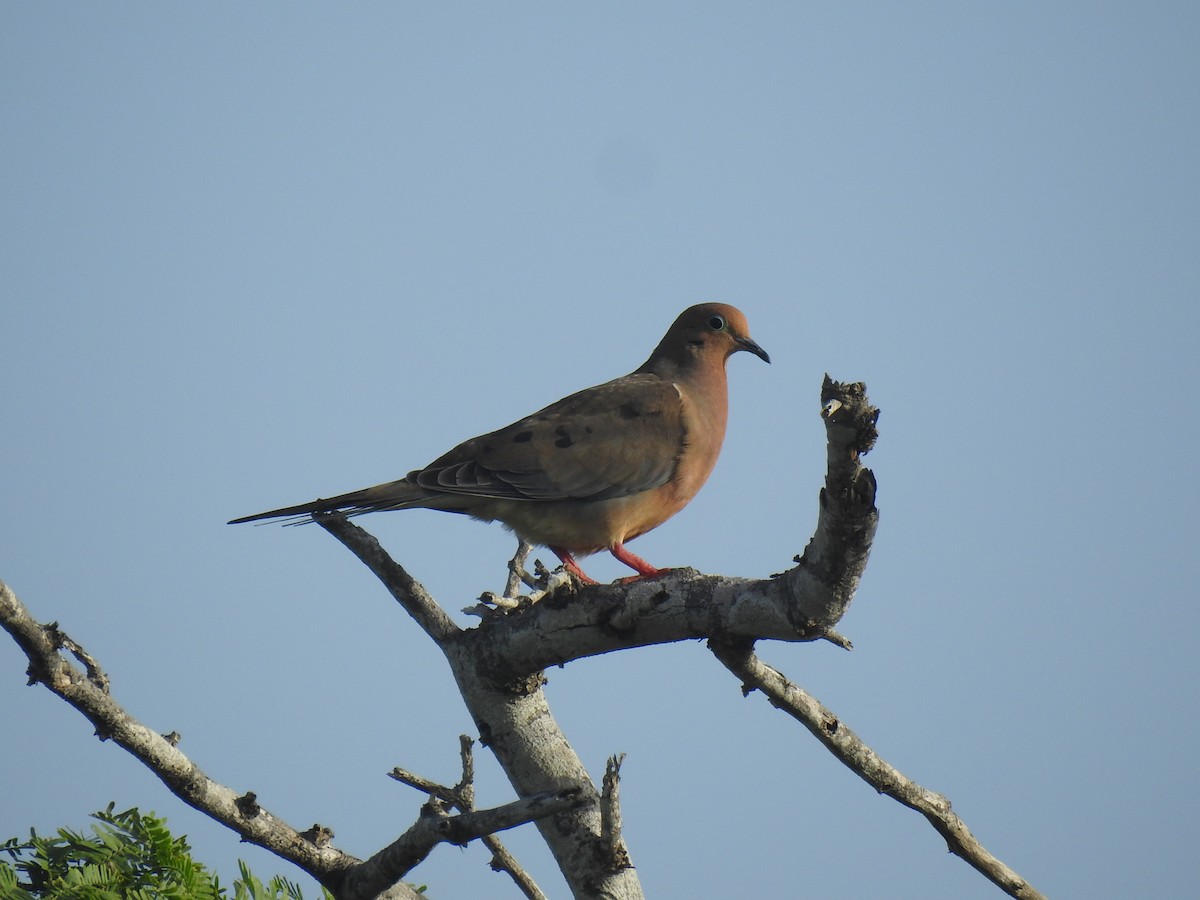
x=128, y=855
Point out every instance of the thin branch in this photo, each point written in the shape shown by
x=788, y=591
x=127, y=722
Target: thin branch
x=542, y=583
x=516, y=569
x=311, y=850
x=610, y=814
x=393, y=862
x=848, y=747
x=424, y=785
x=407, y=591
x=88, y=693
x=503, y=861
x=466, y=784
x=462, y=798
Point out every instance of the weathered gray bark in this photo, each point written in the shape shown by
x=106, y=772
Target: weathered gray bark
x=498, y=668
x=498, y=664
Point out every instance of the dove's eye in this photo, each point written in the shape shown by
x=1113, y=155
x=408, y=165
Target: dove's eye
x=716, y=323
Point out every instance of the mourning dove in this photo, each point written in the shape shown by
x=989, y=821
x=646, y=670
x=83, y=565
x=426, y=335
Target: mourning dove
x=596, y=469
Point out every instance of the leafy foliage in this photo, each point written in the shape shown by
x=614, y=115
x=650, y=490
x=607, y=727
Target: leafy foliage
x=128, y=856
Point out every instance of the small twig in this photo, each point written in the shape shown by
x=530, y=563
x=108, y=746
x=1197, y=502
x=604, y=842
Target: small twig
x=491, y=604
x=466, y=785
x=740, y=659
x=837, y=639
x=462, y=798
x=393, y=862
x=462, y=795
x=424, y=785
x=503, y=861
x=516, y=569
x=610, y=813
x=543, y=584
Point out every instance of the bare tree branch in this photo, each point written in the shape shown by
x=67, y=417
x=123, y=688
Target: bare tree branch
x=462, y=798
x=498, y=668
x=347, y=877
x=407, y=591
x=803, y=604
x=503, y=861
x=826, y=577
x=848, y=747
x=498, y=664
x=610, y=813
x=393, y=862
x=515, y=723
x=183, y=777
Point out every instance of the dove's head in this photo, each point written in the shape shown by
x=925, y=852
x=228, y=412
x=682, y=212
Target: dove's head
x=704, y=335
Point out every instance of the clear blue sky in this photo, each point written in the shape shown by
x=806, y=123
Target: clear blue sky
x=253, y=255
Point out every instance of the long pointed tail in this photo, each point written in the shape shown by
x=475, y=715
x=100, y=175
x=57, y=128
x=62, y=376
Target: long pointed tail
x=393, y=495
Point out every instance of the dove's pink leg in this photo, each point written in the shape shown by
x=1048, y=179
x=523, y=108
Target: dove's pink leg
x=643, y=568
x=635, y=562
x=571, y=566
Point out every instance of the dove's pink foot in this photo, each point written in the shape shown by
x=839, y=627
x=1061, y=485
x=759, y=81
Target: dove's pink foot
x=571, y=566
x=643, y=568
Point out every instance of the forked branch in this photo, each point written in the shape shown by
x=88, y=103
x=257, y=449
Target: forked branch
x=347, y=877
x=848, y=747
x=462, y=797
x=498, y=667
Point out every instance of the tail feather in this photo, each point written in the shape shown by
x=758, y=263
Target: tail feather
x=393, y=495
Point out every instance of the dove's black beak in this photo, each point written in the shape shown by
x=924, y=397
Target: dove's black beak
x=745, y=343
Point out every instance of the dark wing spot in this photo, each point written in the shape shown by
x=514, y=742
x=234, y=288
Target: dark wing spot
x=564, y=439
x=628, y=411
x=522, y=437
